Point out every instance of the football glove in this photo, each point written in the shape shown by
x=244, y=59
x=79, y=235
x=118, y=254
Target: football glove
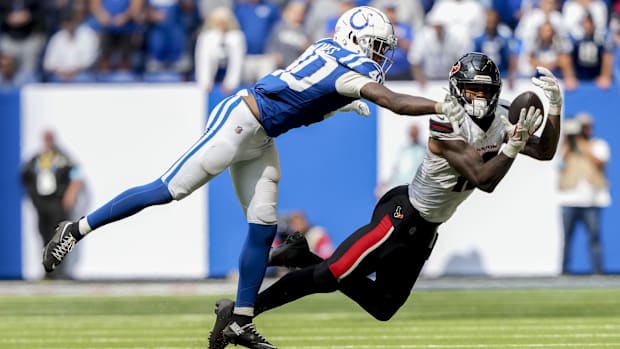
x=455, y=112
x=550, y=86
x=357, y=106
x=529, y=120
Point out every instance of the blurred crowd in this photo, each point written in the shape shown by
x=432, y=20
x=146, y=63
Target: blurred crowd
x=228, y=43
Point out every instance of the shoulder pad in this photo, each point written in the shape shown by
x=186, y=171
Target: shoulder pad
x=504, y=103
x=441, y=128
x=440, y=124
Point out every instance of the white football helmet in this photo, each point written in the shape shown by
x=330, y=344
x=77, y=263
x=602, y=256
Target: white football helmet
x=368, y=31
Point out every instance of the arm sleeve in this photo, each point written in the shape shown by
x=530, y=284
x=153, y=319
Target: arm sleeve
x=349, y=84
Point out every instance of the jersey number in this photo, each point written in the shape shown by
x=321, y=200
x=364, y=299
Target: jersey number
x=313, y=74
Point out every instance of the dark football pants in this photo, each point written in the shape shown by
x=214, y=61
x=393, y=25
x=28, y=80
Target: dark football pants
x=394, y=246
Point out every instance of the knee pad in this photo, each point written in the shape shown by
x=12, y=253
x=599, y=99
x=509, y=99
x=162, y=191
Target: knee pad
x=264, y=213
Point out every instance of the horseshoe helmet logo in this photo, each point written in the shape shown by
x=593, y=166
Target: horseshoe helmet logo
x=358, y=20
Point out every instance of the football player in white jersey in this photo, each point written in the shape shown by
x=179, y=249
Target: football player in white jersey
x=332, y=75
x=403, y=229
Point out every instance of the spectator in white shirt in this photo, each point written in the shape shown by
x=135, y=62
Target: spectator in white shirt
x=434, y=51
x=71, y=51
x=574, y=11
x=220, y=50
x=547, y=11
x=460, y=16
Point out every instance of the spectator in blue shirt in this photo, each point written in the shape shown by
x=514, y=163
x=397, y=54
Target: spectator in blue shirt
x=401, y=69
x=593, y=55
x=496, y=42
x=166, y=37
x=115, y=20
x=256, y=18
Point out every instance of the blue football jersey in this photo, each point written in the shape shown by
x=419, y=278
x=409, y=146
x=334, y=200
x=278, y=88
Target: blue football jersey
x=306, y=90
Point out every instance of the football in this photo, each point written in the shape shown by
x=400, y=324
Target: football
x=524, y=100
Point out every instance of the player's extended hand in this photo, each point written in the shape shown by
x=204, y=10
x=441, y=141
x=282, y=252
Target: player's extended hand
x=454, y=111
x=357, y=106
x=529, y=120
x=549, y=84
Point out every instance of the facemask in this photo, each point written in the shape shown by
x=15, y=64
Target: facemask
x=478, y=108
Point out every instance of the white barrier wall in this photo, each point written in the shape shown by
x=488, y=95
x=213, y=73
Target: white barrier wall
x=122, y=136
x=513, y=231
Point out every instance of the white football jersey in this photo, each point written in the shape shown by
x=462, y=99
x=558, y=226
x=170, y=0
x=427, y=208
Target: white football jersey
x=438, y=189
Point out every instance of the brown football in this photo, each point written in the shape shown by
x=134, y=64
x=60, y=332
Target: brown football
x=524, y=100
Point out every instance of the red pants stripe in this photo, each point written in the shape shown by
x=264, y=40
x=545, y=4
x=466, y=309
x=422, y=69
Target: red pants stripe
x=361, y=248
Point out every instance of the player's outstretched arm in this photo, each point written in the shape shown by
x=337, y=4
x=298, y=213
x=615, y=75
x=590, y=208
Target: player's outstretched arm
x=399, y=103
x=545, y=146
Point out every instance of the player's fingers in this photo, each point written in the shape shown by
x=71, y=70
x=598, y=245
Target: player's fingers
x=530, y=118
x=363, y=108
x=530, y=112
x=509, y=128
x=537, y=123
x=456, y=120
x=539, y=83
x=522, y=116
x=544, y=71
x=449, y=98
x=548, y=80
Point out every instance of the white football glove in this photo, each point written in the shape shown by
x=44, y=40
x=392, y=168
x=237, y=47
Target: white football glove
x=455, y=112
x=549, y=84
x=357, y=106
x=518, y=134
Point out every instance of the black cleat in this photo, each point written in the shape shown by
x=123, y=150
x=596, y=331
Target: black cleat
x=223, y=311
x=59, y=246
x=294, y=252
x=246, y=336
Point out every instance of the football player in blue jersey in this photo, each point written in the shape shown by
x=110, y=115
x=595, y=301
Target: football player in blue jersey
x=331, y=75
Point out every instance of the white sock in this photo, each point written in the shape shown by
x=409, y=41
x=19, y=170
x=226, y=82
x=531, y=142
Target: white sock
x=83, y=226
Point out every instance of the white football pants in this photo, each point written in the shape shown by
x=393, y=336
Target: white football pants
x=233, y=139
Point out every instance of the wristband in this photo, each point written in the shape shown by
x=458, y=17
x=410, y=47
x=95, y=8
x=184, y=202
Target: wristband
x=510, y=150
x=439, y=107
x=555, y=109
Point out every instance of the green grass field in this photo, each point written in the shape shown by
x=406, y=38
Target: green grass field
x=545, y=318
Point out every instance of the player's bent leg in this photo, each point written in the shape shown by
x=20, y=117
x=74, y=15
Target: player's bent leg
x=295, y=285
x=396, y=273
